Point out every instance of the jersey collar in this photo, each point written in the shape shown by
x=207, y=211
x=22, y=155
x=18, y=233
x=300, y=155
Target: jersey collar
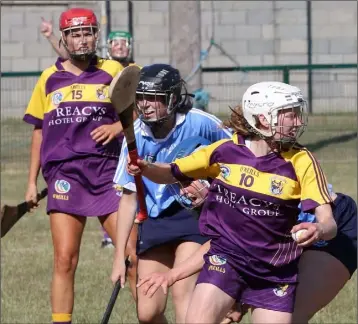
x=238, y=139
x=60, y=60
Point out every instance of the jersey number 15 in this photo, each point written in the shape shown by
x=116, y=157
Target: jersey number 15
x=77, y=94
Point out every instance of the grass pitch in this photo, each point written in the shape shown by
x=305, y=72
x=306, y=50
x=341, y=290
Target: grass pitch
x=26, y=252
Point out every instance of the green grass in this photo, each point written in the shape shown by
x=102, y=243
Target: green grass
x=26, y=252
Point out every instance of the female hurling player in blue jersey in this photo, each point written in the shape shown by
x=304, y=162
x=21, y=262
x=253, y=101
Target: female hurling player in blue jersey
x=171, y=233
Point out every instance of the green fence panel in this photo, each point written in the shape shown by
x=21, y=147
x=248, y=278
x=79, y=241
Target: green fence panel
x=334, y=91
x=333, y=88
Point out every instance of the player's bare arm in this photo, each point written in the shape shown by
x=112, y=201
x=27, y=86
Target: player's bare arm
x=46, y=29
x=183, y=270
x=156, y=172
x=125, y=219
x=31, y=193
x=324, y=229
x=326, y=221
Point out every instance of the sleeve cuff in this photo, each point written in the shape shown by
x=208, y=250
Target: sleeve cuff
x=37, y=122
x=309, y=204
x=177, y=174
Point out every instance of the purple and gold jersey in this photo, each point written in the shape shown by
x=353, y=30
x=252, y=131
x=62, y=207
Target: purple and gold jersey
x=68, y=107
x=253, y=203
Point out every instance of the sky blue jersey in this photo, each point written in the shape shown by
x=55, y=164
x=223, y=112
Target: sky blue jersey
x=195, y=123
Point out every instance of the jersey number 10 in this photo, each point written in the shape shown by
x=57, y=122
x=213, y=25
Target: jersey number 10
x=246, y=180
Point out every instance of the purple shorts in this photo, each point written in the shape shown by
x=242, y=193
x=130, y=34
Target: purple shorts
x=83, y=187
x=245, y=289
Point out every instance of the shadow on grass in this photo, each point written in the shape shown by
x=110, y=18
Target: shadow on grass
x=314, y=147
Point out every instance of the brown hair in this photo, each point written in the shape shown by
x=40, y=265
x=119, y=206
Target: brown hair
x=237, y=122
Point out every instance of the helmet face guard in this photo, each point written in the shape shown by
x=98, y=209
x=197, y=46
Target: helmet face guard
x=162, y=104
x=190, y=195
x=160, y=92
x=82, y=26
x=284, y=109
x=295, y=126
x=83, y=54
x=120, y=39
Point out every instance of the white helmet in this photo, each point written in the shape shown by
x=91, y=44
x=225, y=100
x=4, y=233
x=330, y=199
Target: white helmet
x=268, y=98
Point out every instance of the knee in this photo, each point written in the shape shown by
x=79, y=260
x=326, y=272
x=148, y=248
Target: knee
x=181, y=296
x=183, y=290
x=181, y=303
x=65, y=263
x=149, y=316
x=181, y=300
x=150, y=310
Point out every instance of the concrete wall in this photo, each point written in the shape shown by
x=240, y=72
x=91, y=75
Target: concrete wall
x=253, y=32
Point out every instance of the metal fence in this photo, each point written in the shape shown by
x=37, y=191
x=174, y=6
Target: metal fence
x=330, y=88
x=333, y=91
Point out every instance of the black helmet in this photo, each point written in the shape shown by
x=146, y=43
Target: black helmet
x=164, y=81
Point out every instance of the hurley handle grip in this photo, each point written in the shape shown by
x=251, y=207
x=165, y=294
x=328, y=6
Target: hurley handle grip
x=143, y=213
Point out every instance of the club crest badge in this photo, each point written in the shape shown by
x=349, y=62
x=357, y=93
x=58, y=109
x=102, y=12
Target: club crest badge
x=225, y=171
x=101, y=93
x=118, y=189
x=149, y=158
x=280, y=290
x=57, y=98
x=276, y=185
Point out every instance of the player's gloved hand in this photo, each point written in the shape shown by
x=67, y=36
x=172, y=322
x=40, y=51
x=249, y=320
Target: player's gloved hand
x=313, y=233
x=105, y=133
x=119, y=271
x=31, y=195
x=154, y=281
x=46, y=28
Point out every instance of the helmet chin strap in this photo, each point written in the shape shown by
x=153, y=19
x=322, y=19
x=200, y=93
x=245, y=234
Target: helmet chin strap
x=158, y=122
x=275, y=145
x=121, y=59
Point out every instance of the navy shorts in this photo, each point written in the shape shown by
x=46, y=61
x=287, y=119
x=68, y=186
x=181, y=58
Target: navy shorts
x=344, y=246
x=175, y=224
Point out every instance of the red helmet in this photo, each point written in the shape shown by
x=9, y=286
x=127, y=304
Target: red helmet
x=78, y=17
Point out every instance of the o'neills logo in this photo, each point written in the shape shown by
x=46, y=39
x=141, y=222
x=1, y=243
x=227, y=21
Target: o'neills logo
x=216, y=268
